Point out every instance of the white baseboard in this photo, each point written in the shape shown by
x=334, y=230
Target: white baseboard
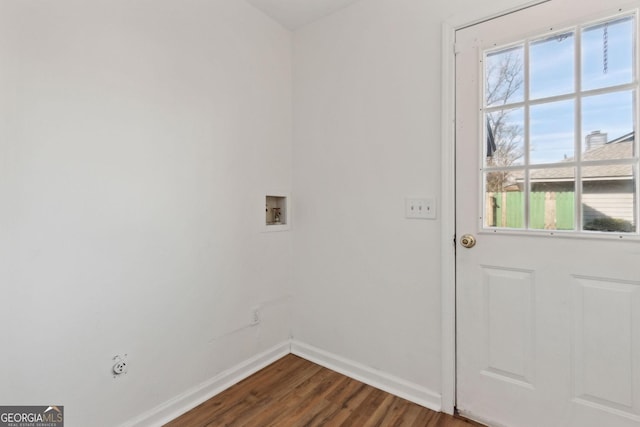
x=191, y=398
x=382, y=380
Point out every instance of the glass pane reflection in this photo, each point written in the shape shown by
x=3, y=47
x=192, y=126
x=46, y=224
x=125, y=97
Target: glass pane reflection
x=608, y=54
x=504, y=77
x=504, y=199
x=607, y=126
x=608, y=198
x=505, y=138
x=552, y=132
x=552, y=66
x=552, y=199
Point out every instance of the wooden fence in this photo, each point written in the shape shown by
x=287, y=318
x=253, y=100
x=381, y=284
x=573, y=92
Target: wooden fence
x=547, y=210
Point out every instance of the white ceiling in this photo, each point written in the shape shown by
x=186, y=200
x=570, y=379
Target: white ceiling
x=296, y=13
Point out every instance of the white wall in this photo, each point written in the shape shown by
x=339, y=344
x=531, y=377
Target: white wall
x=367, y=86
x=137, y=140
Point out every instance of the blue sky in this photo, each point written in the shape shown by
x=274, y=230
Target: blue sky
x=552, y=72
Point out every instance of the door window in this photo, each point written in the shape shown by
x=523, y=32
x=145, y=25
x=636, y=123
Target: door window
x=561, y=116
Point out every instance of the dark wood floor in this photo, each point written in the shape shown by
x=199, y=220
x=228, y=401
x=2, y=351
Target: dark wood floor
x=296, y=392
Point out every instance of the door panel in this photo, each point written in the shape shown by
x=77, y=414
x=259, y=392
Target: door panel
x=605, y=341
x=548, y=318
x=509, y=327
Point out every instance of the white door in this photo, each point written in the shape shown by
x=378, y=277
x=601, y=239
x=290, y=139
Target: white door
x=548, y=300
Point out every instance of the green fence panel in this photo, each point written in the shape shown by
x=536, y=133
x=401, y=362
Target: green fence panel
x=515, y=209
x=565, y=210
x=537, y=210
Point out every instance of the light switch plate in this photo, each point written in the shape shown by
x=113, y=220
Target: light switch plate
x=420, y=208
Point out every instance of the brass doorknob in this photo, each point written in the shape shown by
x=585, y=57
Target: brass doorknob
x=468, y=241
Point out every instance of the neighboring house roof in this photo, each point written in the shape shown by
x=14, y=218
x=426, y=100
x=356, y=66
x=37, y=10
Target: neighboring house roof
x=620, y=148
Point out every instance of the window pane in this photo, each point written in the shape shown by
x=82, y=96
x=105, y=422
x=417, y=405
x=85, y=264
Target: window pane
x=607, y=126
x=504, y=76
x=577, y=118
x=504, y=199
x=551, y=204
x=551, y=66
x=552, y=132
x=505, y=138
x=607, y=54
x=608, y=198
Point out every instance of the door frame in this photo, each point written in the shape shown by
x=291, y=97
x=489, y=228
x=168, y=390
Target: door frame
x=447, y=191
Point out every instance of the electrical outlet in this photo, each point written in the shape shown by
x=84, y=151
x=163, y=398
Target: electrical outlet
x=255, y=316
x=121, y=366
